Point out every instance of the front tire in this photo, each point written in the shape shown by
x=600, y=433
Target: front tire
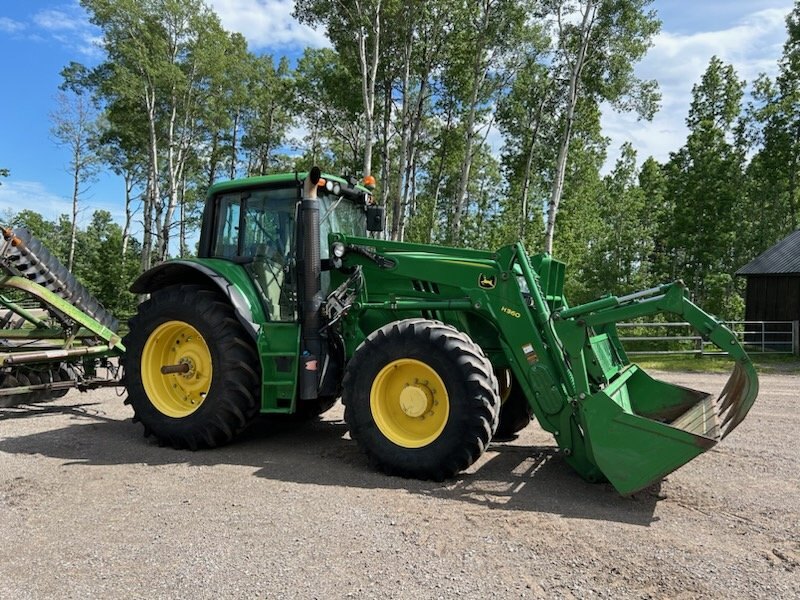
x=420, y=399
x=212, y=393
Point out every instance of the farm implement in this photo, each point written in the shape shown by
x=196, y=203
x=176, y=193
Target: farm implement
x=54, y=335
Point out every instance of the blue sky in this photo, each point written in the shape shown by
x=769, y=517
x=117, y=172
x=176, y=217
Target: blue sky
x=39, y=37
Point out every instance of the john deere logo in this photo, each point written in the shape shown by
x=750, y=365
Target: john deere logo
x=487, y=282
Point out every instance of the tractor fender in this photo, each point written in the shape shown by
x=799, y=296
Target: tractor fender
x=184, y=271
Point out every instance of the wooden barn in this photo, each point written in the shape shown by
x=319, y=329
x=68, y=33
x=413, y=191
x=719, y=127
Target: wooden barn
x=773, y=284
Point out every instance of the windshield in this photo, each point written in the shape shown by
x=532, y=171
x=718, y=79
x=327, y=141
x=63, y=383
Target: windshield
x=346, y=218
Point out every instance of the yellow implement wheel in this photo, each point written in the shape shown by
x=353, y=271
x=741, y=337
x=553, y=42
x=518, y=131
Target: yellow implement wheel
x=409, y=403
x=180, y=348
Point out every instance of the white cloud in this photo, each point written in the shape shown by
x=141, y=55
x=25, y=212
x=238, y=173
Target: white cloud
x=58, y=20
x=677, y=61
x=267, y=23
x=16, y=196
x=68, y=24
x=32, y=195
x=10, y=25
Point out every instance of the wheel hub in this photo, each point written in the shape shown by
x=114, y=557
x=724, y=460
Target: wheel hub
x=186, y=360
x=416, y=400
x=409, y=403
x=176, y=393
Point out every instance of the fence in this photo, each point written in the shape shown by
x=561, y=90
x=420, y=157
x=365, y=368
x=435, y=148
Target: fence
x=758, y=337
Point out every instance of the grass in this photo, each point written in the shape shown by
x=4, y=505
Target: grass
x=765, y=363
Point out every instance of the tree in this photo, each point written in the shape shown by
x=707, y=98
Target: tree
x=355, y=27
x=525, y=117
x=330, y=112
x=705, y=180
x=660, y=209
x=774, y=122
x=270, y=114
x=598, y=45
x=484, y=46
x=74, y=126
x=415, y=42
x=228, y=101
x=35, y=223
x=620, y=256
x=163, y=57
x=102, y=268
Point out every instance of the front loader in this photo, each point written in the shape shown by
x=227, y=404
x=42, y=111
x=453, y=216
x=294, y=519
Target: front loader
x=293, y=301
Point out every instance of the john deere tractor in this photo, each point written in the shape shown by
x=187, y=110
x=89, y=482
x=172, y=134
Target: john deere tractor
x=295, y=301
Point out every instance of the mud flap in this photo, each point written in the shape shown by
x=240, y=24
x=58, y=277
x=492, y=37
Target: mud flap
x=639, y=429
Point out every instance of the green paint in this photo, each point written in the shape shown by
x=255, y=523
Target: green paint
x=278, y=343
x=114, y=342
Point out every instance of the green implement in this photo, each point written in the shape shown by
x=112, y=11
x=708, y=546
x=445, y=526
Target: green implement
x=53, y=334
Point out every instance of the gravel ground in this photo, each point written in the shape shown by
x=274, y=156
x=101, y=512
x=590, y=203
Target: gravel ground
x=89, y=508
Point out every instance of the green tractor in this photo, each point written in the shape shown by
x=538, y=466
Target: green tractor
x=294, y=301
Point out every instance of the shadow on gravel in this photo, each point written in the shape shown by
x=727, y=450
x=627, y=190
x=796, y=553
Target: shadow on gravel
x=509, y=477
x=28, y=411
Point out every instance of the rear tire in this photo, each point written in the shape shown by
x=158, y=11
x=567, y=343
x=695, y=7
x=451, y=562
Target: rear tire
x=218, y=396
x=420, y=399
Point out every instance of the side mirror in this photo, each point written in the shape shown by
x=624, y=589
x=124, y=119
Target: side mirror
x=376, y=218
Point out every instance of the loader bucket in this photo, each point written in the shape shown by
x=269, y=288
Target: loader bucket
x=638, y=429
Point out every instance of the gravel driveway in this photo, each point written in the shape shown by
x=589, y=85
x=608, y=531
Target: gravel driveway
x=89, y=508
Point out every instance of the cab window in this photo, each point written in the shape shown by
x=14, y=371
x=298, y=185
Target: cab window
x=258, y=226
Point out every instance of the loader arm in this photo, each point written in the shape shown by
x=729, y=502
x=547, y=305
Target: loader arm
x=610, y=419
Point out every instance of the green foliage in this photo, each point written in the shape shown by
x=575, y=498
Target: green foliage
x=184, y=103
x=704, y=189
x=618, y=260
x=103, y=268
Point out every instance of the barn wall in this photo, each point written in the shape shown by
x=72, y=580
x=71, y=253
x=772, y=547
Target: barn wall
x=772, y=298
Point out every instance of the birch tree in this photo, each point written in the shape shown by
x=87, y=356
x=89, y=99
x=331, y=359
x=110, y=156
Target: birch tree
x=74, y=127
x=599, y=42
x=421, y=30
x=355, y=27
x=160, y=59
x=485, y=43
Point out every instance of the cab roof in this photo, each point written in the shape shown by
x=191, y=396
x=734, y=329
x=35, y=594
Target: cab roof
x=277, y=180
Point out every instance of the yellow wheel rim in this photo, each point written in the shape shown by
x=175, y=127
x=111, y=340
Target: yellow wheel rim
x=179, y=345
x=409, y=403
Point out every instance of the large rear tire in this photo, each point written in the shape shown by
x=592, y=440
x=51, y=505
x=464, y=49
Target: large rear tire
x=216, y=396
x=420, y=399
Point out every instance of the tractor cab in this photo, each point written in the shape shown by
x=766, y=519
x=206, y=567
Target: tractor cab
x=255, y=222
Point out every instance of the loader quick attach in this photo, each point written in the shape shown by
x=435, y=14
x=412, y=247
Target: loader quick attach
x=294, y=301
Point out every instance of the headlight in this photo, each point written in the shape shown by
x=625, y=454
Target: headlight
x=333, y=187
x=338, y=249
